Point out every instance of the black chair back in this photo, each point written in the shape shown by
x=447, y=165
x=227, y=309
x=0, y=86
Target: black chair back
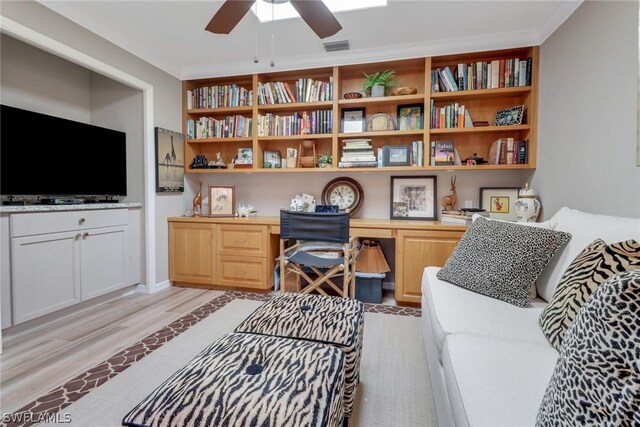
x=326, y=227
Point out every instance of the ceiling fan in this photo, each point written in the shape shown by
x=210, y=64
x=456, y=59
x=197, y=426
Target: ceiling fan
x=314, y=12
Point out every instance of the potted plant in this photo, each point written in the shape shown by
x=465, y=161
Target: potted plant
x=324, y=160
x=377, y=84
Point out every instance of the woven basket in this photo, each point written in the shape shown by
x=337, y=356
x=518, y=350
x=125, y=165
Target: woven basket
x=405, y=90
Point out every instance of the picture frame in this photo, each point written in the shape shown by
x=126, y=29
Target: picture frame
x=413, y=197
x=169, y=161
x=271, y=159
x=245, y=156
x=396, y=155
x=353, y=120
x=500, y=202
x=510, y=116
x=410, y=117
x=222, y=200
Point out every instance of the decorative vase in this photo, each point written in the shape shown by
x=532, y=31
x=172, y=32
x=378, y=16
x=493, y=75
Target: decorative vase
x=527, y=205
x=377, y=91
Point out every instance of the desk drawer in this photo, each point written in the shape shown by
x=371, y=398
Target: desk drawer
x=371, y=233
x=244, y=272
x=29, y=224
x=249, y=240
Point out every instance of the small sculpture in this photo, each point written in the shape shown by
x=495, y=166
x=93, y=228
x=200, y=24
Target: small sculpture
x=218, y=162
x=244, y=210
x=449, y=201
x=197, y=201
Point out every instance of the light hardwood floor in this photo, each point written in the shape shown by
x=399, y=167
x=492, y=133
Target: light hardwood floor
x=35, y=363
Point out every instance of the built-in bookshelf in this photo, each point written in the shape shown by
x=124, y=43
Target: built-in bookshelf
x=458, y=96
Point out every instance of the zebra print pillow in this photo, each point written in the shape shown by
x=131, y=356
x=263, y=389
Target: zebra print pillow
x=595, y=381
x=501, y=259
x=592, y=267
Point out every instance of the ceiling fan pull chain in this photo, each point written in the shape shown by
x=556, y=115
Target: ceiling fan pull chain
x=255, y=57
x=271, y=63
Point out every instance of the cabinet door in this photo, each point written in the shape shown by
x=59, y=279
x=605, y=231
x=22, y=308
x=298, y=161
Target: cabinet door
x=416, y=250
x=191, y=252
x=103, y=261
x=45, y=274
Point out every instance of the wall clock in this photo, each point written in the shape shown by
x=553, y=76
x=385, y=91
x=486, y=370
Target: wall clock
x=344, y=192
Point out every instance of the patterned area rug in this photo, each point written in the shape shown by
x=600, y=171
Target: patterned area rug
x=52, y=403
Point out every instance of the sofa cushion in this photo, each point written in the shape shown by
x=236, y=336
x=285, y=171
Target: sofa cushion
x=501, y=259
x=592, y=267
x=455, y=310
x=496, y=382
x=596, y=380
x=584, y=229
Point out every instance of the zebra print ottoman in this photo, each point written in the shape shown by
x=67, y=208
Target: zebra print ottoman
x=329, y=320
x=250, y=380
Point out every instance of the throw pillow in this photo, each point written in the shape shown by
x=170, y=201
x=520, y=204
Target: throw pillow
x=596, y=380
x=592, y=267
x=501, y=259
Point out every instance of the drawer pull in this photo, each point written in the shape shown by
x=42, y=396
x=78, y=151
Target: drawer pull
x=76, y=237
x=241, y=242
x=85, y=235
x=81, y=221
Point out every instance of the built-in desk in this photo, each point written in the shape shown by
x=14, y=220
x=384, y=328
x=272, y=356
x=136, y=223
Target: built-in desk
x=241, y=252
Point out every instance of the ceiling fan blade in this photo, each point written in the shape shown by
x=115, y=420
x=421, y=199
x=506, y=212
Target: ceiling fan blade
x=317, y=16
x=228, y=16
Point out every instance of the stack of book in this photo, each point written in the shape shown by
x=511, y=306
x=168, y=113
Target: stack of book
x=357, y=153
x=462, y=217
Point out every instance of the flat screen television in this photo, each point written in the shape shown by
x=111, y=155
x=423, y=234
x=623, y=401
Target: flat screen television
x=47, y=156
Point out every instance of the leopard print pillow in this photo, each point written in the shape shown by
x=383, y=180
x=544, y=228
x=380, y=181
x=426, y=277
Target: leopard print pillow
x=502, y=259
x=592, y=267
x=596, y=380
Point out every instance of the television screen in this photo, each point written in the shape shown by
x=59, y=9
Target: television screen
x=42, y=155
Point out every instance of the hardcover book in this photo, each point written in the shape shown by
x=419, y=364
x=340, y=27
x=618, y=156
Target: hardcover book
x=444, y=153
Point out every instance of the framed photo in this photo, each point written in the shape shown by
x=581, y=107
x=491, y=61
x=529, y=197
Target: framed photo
x=500, y=202
x=245, y=156
x=353, y=120
x=222, y=200
x=169, y=161
x=272, y=159
x=410, y=117
x=413, y=197
x=396, y=155
x=510, y=116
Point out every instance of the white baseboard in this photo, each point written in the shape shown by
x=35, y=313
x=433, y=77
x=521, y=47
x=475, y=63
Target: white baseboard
x=152, y=289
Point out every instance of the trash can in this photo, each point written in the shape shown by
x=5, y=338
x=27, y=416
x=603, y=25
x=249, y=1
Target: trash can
x=369, y=287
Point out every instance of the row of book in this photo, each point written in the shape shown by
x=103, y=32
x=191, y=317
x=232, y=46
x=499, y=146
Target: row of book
x=210, y=127
x=462, y=217
x=219, y=97
x=304, y=90
x=511, y=72
x=509, y=151
x=303, y=123
x=453, y=115
x=357, y=153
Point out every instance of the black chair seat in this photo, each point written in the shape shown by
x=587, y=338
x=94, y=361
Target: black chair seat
x=306, y=258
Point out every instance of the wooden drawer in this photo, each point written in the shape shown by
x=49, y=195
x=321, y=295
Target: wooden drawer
x=244, y=272
x=29, y=224
x=371, y=233
x=249, y=240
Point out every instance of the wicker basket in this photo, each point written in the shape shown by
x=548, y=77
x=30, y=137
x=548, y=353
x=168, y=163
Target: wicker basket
x=405, y=90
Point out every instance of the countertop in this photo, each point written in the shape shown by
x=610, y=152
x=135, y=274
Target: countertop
x=55, y=208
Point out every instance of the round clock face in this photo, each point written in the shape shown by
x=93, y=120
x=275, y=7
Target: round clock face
x=344, y=192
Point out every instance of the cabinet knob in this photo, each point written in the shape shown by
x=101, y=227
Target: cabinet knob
x=81, y=221
x=85, y=235
x=76, y=237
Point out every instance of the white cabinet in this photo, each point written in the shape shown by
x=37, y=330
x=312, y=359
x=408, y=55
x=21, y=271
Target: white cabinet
x=61, y=258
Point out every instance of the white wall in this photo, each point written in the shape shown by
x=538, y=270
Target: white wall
x=588, y=112
x=166, y=92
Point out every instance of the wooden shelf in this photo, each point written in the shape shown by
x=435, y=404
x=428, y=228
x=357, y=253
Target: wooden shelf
x=219, y=140
x=396, y=133
x=480, y=93
x=383, y=100
x=480, y=129
x=479, y=167
x=227, y=111
x=297, y=106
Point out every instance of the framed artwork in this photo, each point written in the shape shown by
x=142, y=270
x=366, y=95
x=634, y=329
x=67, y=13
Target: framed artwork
x=353, y=120
x=500, y=202
x=396, y=155
x=245, y=156
x=222, y=200
x=413, y=197
x=272, y=159
x=410, y=117
x=169, y=161
x=510, y=116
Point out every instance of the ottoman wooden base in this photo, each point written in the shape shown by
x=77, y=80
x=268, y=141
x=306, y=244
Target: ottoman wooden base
x=330, y=320
x=250, y=380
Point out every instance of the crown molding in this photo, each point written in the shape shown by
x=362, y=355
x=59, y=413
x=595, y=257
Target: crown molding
x=560, y=16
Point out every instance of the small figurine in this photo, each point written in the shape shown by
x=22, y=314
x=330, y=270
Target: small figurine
x=244, y=210
x=197, y=201
x=218, y=162
x=449, y=201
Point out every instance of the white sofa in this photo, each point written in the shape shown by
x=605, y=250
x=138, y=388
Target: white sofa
x=488, y=360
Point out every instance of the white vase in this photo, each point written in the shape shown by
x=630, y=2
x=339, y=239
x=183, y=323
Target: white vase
x=527, y=205
x=377, y=91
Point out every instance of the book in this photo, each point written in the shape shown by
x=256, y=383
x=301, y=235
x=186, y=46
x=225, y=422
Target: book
x=523, y=155
x=444, y=153
x=529, y=66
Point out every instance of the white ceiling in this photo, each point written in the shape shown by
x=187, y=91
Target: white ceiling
x=171, y=35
